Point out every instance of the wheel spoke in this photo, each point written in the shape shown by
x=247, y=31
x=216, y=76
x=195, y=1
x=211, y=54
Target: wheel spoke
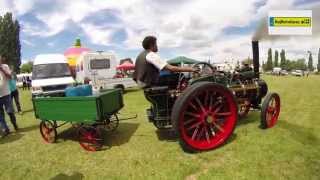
x=200, y=104
x=217, y=109
x=200, y=134
x=189, y=121
x=194, y=125
x=195, y=133
x=193, y=106
x=207, y=134
x=192, y=114
x=218, y=126
x=223, y=114
x=206, y=98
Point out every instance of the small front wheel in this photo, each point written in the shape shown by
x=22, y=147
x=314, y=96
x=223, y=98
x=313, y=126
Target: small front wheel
x=112, y=123
x=48, y=131
x=270, y=110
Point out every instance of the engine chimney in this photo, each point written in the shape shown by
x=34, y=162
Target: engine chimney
x=255, y=51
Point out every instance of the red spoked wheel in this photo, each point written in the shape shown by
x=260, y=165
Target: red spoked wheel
x=48, y=131
x=204, y=116
x=90, y=138
x=244, y=109
x=270, y=110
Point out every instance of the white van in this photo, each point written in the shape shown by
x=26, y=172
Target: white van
x=50, y=75
x=100, y=69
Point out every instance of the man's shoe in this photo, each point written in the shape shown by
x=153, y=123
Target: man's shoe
x=6, y=133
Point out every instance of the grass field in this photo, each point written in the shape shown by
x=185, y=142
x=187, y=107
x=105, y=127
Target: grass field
x=290, y=150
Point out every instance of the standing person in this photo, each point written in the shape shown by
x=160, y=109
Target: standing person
x=5, y=99
x=24, y=83
x=28, y=82
x=14, y=92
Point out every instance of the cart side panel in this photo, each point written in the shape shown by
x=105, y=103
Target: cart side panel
x=82, y=109
x=110, y=102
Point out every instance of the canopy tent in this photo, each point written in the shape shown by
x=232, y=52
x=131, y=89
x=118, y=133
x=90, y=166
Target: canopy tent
x=182, y=60
x=126, y=66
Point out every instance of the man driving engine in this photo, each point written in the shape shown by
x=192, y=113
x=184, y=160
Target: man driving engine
x=149, y=64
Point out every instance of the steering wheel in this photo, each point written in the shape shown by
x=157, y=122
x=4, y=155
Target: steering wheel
x=204, y=69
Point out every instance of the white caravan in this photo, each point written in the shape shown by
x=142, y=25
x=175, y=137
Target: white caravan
x=50, y=75
x=100, y=69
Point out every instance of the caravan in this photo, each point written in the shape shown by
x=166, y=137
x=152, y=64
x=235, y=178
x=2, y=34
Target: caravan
x=99, y=68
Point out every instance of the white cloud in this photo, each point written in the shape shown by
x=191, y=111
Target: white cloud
x=27, y=42
x=98, y=34
x=190, y=27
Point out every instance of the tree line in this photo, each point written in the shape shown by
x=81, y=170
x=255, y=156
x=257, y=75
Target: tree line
x=10, y=47
x=289, y=64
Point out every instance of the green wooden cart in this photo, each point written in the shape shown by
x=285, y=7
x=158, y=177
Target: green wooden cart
x=86, y=113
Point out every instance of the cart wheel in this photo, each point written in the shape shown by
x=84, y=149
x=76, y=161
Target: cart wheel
x=48, y=131
x=90, y=138
x=270, y=110
x=205, y=116
x=244, y=109
x=112, y=123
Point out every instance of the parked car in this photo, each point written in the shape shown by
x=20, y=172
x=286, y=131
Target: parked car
x=284, y=72
x=297, y=73
x=50, y=75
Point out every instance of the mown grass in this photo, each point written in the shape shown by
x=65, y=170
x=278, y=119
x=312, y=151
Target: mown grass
x=291, y=150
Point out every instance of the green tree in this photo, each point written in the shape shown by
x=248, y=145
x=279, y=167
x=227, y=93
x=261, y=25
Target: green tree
x=310, y=62
x=318, y=65
x=26, y=67
x=77, y=43
x=301, y=64
x=276, y=57
x=10, y=41
x=269, y=60
x=282, y=58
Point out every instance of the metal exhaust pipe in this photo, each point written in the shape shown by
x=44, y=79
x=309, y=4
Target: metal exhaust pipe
x=255, y=53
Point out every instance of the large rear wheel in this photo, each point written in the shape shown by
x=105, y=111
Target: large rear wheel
x=204, y=116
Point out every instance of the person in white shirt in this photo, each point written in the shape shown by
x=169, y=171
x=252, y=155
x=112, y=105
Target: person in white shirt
x=5, y=98
x=149, y=64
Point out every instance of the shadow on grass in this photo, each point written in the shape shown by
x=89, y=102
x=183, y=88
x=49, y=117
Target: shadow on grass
x=74, y=176
x=118, y=137
x=302, y=134
x=30, y=128
x=171, y=136
x=10, y=138
x=167, y=135
x=252, y=117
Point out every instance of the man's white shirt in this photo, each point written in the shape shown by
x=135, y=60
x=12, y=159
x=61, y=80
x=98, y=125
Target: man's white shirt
x=155, y=59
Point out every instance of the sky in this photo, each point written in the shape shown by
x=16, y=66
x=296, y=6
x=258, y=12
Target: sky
x=212, y=30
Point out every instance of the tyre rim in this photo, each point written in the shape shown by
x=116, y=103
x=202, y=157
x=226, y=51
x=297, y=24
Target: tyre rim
x=272, y=112
x=208, y=118
x=89, y=139
x=47, y=131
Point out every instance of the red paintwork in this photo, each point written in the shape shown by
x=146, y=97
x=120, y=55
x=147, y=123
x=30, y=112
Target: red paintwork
x=201, y=137
x=273, y=111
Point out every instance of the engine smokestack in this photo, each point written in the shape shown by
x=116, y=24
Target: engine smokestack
x=255, y=51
